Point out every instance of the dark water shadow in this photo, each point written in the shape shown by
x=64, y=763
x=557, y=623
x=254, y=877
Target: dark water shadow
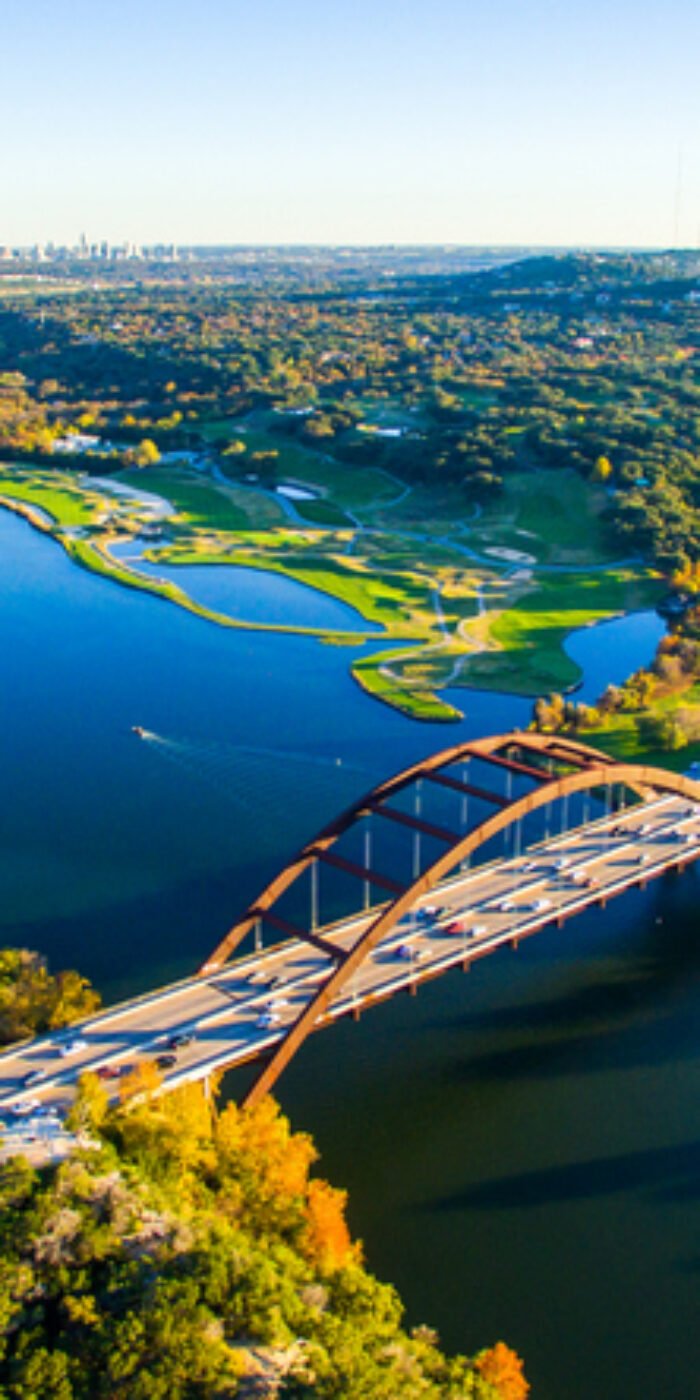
x=669, y=1174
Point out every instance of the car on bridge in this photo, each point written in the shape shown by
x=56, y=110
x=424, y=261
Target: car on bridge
x=537, y=906
x=35, y=1076
x=470, y=930
x=72, y=1046
x=267, y=1019
x=180, y=1040
x=23, y=1109
x=167, y=1061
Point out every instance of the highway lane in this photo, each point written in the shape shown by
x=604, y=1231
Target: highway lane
x=245, y=1008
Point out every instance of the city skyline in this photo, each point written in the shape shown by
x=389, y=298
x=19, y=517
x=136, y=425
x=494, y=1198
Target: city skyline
x=395, y=124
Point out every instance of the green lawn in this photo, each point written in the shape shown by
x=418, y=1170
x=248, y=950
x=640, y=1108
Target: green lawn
x=531, y=659
x=200, y=503
x=370, y=673
x=63, y=499
x=351, y=488
x=322, y=512
x=559, y=513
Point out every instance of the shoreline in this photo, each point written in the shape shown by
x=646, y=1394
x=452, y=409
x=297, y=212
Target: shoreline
x=369, y=673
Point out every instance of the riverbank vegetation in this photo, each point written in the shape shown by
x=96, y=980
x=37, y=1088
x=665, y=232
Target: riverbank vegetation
x=189, y=1254
x=654, y=716
x=33, y=1001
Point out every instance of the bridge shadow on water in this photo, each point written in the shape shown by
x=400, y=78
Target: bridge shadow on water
x=637, y=1006
x=666, y=1174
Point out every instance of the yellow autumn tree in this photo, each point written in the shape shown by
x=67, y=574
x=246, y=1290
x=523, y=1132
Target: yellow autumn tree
x=263, y=1163
x=176, y=1127
x=602, y=469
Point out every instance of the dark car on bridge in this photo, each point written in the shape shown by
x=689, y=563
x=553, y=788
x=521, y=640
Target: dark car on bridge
x=180, y=1040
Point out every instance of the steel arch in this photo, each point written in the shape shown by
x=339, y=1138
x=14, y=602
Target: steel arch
x=654, y=780
x=581, y=769
x=493, y=749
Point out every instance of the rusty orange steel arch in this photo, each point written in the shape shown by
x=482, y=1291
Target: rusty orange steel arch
x=591, y=769
x=552, y=748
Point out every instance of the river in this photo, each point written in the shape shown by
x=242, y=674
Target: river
x=520, y=1146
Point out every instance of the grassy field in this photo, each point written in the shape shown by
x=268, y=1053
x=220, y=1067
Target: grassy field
x=558, y=513
x=322, y=512
x=200, y=503
x=351, y=488
x=529, y=658
x=63, y=499
x=372, y=674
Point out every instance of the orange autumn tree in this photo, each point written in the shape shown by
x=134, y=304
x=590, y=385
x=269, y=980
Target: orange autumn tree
x=503, y=1369
x=326, y=1241
x=264, y=1168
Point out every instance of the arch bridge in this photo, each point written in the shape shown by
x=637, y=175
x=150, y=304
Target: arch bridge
x=520, y=775
x=471, y=849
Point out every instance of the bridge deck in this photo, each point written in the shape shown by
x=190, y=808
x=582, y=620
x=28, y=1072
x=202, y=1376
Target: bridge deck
x=479, y=910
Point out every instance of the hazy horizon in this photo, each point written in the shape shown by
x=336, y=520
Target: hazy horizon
x=393, y=124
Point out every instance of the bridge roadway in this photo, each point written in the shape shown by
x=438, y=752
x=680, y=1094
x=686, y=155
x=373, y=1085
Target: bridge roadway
x=493, y=905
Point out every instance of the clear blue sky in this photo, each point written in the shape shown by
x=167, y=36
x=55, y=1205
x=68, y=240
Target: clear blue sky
x=375, y=121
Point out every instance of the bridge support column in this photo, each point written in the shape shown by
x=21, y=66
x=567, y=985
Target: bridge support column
x=366, y=891
x=464, y=813
x=314, y=895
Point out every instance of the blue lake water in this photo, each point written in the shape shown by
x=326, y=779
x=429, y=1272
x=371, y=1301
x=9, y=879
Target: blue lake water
x=521, y=1146
x=252, y=595
x=611, y=651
